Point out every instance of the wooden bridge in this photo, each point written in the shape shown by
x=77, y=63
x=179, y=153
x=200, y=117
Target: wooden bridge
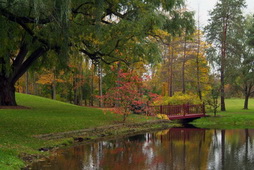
x=180, y=112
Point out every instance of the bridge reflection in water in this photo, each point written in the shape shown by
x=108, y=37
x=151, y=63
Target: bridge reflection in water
x=175, y=148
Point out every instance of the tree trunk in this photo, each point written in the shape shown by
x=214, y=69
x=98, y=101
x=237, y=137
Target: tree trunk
x=92, y=86
x=198, y=68
x=223, y=107
x=171, y=93
x=27, y=82
x=75, y=89
x=54, y=87
x=222, y=77
x=246, y=102
x=183, y=65
x=7, y=93
x=223, y=61
x=100, y=84
x=19, y=66
x=247, y=92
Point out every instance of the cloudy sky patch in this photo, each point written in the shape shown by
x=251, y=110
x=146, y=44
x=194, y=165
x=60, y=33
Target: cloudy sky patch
x=204, y=6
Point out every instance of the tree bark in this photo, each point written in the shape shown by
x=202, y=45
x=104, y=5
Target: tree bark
x=223, y=60
x=75, y=89
x=7, y=92
x=223, y=107
x=27, y=82
x=170, y=84
x=247, y=93
x=223, y=63
x=54, y=90
x=92, y=87
x=19, y=67
x=100, y=83
x=198, y=68
x=183, y=65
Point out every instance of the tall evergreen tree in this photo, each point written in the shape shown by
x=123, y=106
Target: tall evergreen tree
x=221, y=32
x=251, y=35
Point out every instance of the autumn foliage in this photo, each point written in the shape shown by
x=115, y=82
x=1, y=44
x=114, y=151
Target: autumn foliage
x=129, y=95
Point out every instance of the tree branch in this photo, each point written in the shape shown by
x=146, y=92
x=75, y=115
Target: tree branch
x=80, y=6
x=18, y=19
x=29, y=61
x=20, y=57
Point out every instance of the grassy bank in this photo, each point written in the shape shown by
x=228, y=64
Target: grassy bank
x=234, y=117
x=18, y=126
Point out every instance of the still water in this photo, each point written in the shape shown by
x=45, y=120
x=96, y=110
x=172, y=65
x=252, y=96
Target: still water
x=171, y=149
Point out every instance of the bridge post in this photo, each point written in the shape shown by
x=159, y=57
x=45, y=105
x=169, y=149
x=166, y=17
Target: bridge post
x=188, y=108
x=203, y=108
x=168, y=110
x=184, y=109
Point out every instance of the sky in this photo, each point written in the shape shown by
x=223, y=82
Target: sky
x=203, y=6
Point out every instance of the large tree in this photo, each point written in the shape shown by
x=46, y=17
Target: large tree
x=243, y=73
x=220, y=32
x=28, y=30
x=99, y=29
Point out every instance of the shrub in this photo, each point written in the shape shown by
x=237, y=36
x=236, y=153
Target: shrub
x=162, y=116
x=178, y=98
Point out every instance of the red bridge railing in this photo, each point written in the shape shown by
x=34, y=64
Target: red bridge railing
x=178, y=110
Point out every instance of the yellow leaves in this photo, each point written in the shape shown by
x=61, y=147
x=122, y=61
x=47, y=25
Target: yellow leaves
x=164, y=89
x=45, y=79
x=161, y=33
x=178, y=98
x=49, y=78
x=91, y=38
x=140, y=67
x=162, y=116
x=162, y=132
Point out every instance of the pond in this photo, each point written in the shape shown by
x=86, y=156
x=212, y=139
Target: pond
x=171, y=149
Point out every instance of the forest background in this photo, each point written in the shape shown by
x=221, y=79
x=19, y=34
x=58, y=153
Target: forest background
x=73, y=51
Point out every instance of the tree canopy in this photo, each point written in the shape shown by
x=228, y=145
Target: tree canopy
x=222, y=32
x=102, y=30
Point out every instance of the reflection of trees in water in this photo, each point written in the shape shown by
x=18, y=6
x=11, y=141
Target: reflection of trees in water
x=175, y=148
x=232, y=149
x=189, y=148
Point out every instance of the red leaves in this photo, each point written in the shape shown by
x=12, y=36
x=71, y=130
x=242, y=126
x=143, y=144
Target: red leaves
x=128, y=95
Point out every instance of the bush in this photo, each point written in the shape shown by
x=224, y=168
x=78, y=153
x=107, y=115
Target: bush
x=179, y=98
x=162, y=116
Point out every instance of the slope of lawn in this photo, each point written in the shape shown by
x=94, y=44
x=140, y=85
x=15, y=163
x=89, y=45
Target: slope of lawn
x=17, y=126
x=234, y=117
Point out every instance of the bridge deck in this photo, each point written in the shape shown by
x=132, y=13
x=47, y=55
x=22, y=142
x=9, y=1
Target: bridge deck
x=190, y=116
x=185, y=111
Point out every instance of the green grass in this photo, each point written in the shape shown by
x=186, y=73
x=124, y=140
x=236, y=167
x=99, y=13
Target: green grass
x=49, y=116
x=44, y=116
x=234, y=117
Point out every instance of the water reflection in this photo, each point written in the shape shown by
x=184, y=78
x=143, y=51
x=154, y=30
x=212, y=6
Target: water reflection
x=175, y=148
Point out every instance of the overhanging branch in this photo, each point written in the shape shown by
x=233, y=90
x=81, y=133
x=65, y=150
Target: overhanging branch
x=18, y=19
x=29, y=61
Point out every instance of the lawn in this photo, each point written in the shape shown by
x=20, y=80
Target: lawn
x=44, y=116
x=49, y=116
x=234, y=117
